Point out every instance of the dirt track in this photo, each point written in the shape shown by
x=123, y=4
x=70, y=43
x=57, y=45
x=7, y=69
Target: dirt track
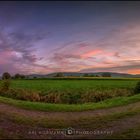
x=7, y=126
x=66, y=115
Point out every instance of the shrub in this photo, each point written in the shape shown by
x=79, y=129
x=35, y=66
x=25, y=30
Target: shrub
x=66, y=96
x=87, y=97
x=137, y=88
x=100, y=95
x=21, y=94
x=5, y=85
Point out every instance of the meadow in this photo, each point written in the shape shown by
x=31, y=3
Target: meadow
x=70, y=90
x=59, y=103
x=74, y=84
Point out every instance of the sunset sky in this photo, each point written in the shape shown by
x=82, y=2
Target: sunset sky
x=45, y=37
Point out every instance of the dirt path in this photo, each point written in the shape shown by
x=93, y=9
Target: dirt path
x=66, y=115
x=15, y=130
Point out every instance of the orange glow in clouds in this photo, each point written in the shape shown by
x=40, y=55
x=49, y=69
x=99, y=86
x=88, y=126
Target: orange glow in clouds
x=91, y=53
x=135, y=71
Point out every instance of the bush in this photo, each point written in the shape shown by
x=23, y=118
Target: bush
x=5, y=85
x=100, y=95
x=137, y=88
x=65, y=97
x=21, y=94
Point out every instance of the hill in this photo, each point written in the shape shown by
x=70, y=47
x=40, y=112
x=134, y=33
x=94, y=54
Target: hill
x=77, y=74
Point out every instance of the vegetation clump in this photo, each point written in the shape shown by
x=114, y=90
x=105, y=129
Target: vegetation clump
x=137, y=88
x=5, y=81
x=5, y=85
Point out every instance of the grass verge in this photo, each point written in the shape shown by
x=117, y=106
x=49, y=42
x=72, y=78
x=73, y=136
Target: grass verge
x=86, y=122
x=118, y=101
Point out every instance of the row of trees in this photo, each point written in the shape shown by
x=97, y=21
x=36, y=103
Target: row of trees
x=7, y=75
x=105, y=74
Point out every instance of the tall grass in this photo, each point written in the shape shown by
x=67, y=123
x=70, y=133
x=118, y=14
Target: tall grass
x=69, y=91
x=118, y=101
x=65, y=97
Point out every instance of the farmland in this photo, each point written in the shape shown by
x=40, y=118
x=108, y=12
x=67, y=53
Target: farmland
x=85, y=103
x=70, y=91
x=74, y=85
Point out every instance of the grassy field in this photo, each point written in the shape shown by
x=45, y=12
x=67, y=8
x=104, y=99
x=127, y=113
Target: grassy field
x=74, y=85
x=70, y=91
x=90, y=104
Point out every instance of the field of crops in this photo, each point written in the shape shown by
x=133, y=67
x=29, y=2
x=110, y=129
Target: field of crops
x=73, y=85
x=70, y=90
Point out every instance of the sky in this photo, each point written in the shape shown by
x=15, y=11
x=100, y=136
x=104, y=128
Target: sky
x=46, y=37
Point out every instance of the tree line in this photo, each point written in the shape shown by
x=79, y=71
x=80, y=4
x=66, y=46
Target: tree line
x=104, y=74
x=7, y=75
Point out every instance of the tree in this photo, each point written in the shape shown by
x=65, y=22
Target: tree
x=86, y=75
x=17, y=76
x=6, y=75
x=6, y=81
x=106, y=74
x=22, y=76
x=59, y=74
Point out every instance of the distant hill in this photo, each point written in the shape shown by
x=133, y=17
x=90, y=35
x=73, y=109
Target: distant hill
x=77, y=74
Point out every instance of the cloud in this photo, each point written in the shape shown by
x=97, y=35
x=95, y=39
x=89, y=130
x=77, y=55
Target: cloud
x=128, y=68
x=132, y=66
x=91, y=53
x=116, y=51
x=17, y=48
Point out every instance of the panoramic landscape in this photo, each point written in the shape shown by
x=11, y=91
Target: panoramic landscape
x=69, y=70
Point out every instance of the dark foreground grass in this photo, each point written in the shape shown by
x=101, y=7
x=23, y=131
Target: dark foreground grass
x=118, y=101
x=133, y=133
x=92, y=123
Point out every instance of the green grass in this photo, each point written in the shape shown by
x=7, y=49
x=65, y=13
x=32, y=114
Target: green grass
x=102, y=120
x=71, y=90
x=75, y=86
x=67, y=85
x=118, y=101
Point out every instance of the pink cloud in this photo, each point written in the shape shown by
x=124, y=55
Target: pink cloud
x=91, y=53
x=5, y=56
x=98, y=53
